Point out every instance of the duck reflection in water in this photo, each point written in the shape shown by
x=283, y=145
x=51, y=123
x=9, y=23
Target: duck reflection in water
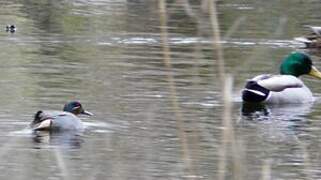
x=286, y=123
x=66, y=139
x=284, y=112
x=249, y=109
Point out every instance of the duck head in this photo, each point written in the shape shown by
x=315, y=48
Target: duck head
x=298, y=64
x=76, y=108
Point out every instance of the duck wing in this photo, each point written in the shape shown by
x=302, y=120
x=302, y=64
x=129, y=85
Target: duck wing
x=280, y=82
x=316, y=30
x=43, y=119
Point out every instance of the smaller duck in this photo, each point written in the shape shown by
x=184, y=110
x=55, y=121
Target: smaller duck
x=60, y=120
x=285, y=88
x=11, y=28
x=313, y=40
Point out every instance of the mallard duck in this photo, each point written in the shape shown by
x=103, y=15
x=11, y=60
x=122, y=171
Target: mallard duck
x=313, y=40
x=285, y=87
x=60, y=120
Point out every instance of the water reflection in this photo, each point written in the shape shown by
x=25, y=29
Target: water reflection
x=108, y=54
x=284, y=112
x=65, y=139
x=278, y=123
x=281, y=133
x=254, y=111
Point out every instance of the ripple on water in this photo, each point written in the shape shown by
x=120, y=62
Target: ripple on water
x=24, y=132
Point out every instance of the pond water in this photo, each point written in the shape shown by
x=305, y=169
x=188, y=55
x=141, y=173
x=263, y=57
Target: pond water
x=108, y=54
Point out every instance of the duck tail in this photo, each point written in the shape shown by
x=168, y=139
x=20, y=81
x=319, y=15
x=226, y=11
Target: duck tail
x=40, y=122
x=37, y=118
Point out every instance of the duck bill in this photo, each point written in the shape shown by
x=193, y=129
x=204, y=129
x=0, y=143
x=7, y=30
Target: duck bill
x=315, y=72
x=87, y=113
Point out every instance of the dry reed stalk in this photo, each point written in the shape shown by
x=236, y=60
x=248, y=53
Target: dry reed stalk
x=306, y=159
x=234, y=27
x=266, y=170
x=188, y=9
x=62, y=165
x=173, y=93
x=307, y=163
x=228, y=135
x=217, y=48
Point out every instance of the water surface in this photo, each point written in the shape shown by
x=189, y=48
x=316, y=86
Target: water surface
x=108, y=54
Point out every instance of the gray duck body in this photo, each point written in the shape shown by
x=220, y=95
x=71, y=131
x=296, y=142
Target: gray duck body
x=61, y=120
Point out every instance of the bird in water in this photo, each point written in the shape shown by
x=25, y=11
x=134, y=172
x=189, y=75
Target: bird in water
x=11, y=28
x=60, y=120
x=313, y=40
x=285, y=87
